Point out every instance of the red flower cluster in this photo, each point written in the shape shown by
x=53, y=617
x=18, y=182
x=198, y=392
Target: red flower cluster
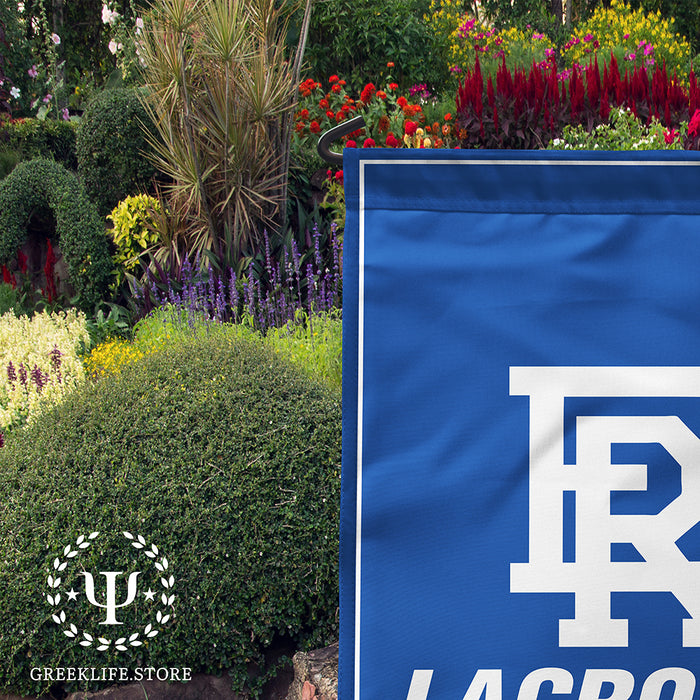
x=367, y=92
x=527, y=109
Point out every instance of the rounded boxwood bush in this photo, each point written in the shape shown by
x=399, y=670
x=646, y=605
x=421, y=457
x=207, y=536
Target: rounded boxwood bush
x=111, y=144
x=214, y=450
x=41, y=184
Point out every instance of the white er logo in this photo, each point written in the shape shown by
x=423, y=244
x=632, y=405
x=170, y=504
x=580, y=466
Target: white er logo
x=592, y=577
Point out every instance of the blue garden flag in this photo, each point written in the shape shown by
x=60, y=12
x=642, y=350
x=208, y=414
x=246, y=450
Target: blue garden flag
x=521, y=412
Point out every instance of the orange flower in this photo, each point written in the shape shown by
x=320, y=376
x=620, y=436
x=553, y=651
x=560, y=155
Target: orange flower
x=333, y=79
x=448, y=116
x=393, y=86
x=390, y=64
x=402, y=101
x=336, y=89
x=381, y=94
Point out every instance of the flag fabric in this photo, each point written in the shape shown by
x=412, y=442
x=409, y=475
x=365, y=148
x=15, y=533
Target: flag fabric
x=521, y=411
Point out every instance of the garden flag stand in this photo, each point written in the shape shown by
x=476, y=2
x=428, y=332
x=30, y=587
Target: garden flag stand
x=521, y=412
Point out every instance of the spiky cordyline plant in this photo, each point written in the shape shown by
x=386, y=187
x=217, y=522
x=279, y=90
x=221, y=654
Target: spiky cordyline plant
x=220, y=89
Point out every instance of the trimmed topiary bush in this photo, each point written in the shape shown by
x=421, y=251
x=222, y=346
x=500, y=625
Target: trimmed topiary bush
x=214, y=450
x=34, y=138
x=111, y=144
x=41, y=184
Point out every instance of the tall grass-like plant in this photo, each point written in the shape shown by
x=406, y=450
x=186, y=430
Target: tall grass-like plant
x=220, y=89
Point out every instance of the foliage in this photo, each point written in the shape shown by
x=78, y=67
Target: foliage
x=527, y=110
x=132, y=232
x=228, y=459
x=633, y=37
x=39, y=185
x=39, y=364
x=623, y=132
x=356, y=38
x=49, y=138
x=220, y=88
x=111, y=144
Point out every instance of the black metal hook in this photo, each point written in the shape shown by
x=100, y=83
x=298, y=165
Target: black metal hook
x=342, y=129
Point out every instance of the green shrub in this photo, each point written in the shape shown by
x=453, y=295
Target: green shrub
x=214, y=450
x=133, y=231
x=40, y=184
x=111, y=145
x=48, y=138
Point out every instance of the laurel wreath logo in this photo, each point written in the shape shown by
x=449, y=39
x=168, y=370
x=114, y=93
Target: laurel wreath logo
x=54, y=597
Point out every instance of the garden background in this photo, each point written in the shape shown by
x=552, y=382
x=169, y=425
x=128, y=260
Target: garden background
x=171, y=295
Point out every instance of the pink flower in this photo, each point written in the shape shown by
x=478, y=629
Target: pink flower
x=65, y=114
x=369, y=143
x=648, y=50
x=32, y=72
x=56, y=39
x=47, y=98
x=694, y=126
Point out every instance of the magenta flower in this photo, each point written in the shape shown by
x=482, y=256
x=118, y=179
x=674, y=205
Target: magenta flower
x=32, y=72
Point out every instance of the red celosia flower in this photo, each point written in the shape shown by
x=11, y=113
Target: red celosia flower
x=333, y=79
x=694, y=126
x=410, y=127
x=339, y=177
x=350, y=144
x=369, y=143
x=8, y=277
x=670, y=136
x=22, y=261
x=391, y=141
x=315, y=127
